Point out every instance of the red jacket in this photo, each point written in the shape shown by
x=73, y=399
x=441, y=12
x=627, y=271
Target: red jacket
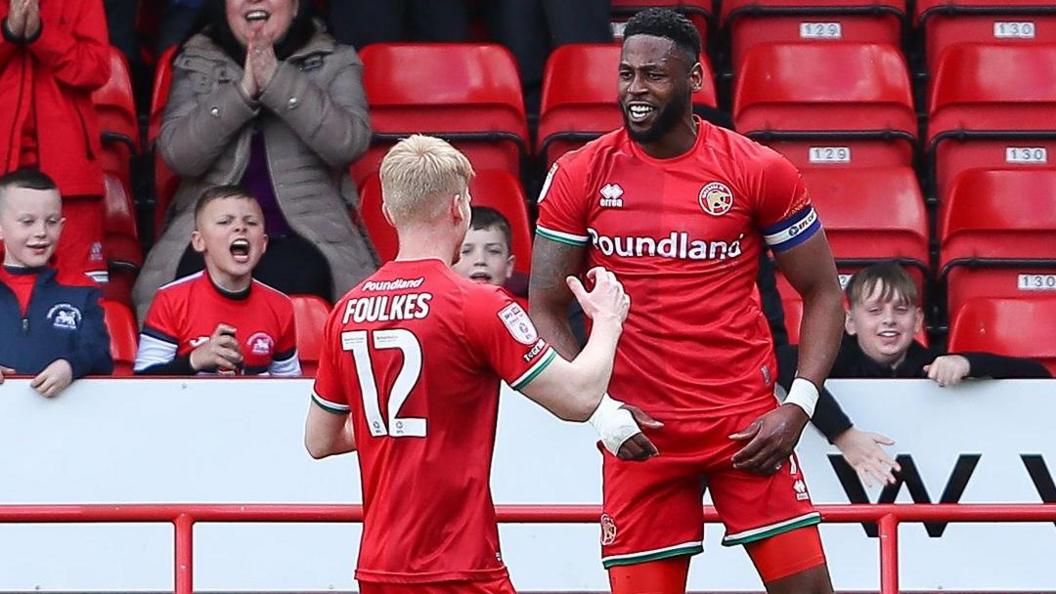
x=59, y=70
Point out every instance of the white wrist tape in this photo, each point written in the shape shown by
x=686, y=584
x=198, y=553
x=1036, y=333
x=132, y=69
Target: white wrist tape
x=803, y=394
x=613, y=423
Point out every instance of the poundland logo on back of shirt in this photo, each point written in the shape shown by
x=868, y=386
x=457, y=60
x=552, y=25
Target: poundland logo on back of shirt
x=678, y=245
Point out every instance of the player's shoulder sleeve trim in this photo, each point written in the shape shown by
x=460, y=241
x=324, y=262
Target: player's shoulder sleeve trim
x=534, y=371
x=793, y=230
x=562, y=237
x=330, y=407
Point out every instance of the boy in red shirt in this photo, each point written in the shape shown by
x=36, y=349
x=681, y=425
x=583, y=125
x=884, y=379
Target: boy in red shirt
x=221, y=320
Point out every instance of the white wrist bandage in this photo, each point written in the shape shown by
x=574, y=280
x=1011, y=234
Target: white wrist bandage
x=613, y=423
x=803, y=394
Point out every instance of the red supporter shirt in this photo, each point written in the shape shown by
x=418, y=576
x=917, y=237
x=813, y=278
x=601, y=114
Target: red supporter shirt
x=185, y=313
x=20, y=281
x=684, y=236
x=415, y=354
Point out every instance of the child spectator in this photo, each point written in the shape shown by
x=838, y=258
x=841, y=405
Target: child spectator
x=486, y=255
x=221, y=319
x=49, y=329
x=52, y=56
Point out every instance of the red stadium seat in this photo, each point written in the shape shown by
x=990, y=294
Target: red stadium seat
x=121, y=325
x=1013, y=327
x=579, y=98
x=165, y=180
x=498, y=189
x=699, y=12
x=116, y=111
x=469, y=94
x=992, y=107
x=310, y=314
x=1012, y=22
x=754, y=22
x=998, y=235
x=871, y=213
x=120, y=225
x=850, y=99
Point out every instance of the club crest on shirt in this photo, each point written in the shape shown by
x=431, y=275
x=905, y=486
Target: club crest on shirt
x=518, y=324
x=261, y=343
x=608, y=530
x=715, y=199
x=64, y=316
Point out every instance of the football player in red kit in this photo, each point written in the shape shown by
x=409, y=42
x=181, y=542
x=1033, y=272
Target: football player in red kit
x=679, y=210
x=409, y=376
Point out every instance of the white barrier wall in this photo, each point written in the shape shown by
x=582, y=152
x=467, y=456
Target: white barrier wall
x=239, y=440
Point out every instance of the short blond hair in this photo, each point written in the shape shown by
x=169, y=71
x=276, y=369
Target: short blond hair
x=417, y=172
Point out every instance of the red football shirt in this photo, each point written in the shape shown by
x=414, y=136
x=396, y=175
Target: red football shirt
x=415, y=354
x=185, y=313
x=684, y=236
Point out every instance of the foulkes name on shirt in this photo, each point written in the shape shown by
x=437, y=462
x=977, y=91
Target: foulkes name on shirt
x=384, y=308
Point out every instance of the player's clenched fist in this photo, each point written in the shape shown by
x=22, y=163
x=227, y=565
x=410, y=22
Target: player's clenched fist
x=606, y=300
x=220, y=352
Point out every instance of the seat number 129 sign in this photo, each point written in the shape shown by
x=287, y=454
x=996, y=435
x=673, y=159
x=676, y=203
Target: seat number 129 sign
x=397, y=338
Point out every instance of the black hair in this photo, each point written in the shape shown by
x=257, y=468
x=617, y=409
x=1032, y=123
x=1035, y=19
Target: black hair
x=485, y=217
x=219, y=192
x=669, y=24
x=28, y=178
x=212, y=22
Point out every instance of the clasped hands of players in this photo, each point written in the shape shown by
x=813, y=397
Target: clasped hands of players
x=55, y=378
x=219, y=353
x=23, y=18
x=608, y=303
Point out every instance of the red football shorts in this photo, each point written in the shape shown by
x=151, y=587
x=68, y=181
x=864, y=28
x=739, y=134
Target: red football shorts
x=653, y=509
x=80, y=249
x=500, y=585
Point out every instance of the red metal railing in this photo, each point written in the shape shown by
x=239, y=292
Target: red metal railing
x=183, y=517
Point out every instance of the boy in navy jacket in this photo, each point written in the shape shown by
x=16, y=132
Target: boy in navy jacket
x=49, y=329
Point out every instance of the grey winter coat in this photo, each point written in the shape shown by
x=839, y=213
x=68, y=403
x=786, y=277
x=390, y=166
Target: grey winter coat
x=314, y=119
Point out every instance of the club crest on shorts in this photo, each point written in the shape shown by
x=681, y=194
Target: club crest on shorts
x=608, y=530
x=715, y=199
x=518, y=324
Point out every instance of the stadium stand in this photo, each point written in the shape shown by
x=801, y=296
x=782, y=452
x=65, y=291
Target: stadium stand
x=121, y=325
x=699, y=12
x=498, y=189
x=991, y=107
x=828, y=103
x=469, y=94
x=165, y=180
x=944, y=23
x=121, y=243
x=997, y=235
x=309, y=314
x=579, y=101
x=1013, y=327
x=753, y=22
x=118, y=123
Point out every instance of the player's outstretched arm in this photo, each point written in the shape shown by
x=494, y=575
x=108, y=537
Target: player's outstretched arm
x=575, y=390
x=328, y=433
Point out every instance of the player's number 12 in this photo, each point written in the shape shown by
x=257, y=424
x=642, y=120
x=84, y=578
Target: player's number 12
x=397, y=338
